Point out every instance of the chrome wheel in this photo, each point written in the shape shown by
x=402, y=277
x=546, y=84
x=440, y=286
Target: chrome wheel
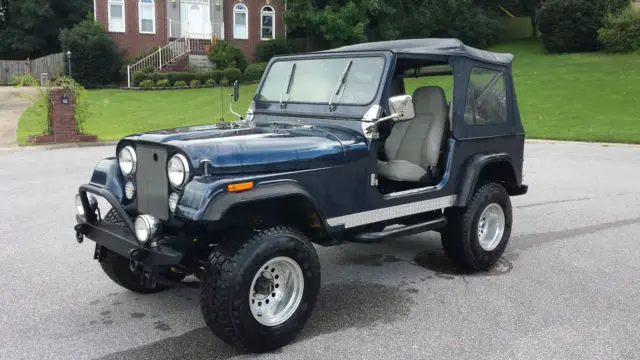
x=276, y=291
x=491, y=227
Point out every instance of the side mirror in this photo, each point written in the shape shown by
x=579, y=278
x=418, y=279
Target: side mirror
x=236, y=90
x=402, y=107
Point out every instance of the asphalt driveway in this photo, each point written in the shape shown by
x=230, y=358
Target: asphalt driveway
x=567, y=287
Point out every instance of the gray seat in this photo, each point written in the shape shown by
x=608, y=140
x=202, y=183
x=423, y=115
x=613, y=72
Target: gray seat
x=413, y=147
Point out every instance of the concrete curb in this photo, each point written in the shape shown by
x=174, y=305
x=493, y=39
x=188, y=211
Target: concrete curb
x=113, y=143
x=57, y=146
x=569, y=142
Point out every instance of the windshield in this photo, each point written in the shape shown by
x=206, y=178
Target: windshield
x=316, y=80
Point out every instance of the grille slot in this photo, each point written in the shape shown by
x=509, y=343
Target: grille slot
x=152, y=182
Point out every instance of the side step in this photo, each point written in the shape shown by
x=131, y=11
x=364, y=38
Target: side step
x=401, y=231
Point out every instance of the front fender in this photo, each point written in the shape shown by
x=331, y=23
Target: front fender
x=107, y=175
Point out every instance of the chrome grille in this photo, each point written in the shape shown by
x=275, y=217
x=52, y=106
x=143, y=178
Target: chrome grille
x=152, y=183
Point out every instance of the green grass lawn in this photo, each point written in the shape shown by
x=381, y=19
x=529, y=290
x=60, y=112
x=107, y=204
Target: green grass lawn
x=588, y=97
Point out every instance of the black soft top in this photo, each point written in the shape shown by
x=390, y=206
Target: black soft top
x=430, y=46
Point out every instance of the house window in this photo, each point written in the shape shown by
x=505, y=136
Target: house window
x=116, y=15
x=267, y=23
x=240, y=21
x=486, y=102
x=147, y=12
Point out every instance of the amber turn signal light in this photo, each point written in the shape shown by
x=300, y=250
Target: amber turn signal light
x=240, y=186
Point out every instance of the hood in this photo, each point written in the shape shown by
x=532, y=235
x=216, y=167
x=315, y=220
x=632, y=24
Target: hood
x=262, y=148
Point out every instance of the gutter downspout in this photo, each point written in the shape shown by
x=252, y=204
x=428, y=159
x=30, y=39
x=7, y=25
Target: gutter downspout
x=95, y=16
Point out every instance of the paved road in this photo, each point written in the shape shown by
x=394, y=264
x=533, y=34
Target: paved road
x=567, y=287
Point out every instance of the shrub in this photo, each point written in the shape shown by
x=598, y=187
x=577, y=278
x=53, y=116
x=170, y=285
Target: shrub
x=224, y=82
x=147, y=84
x=163, y=83
x=621, y=32
x=195, y=83
x=157, y=76
x=185, y=77
x=215, y=75
x=95, y=56
x=268, y=49
x=572, y=25
x=232, y=74
x=179, y=83
x=138, y=77
x=226, y=55
x=202, y=77
x=254, y=72
x=210, y=82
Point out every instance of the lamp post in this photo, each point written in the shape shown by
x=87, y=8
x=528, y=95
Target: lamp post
x=69, y=61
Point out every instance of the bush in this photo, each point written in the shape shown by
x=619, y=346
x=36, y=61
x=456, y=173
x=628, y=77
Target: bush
x=232, y=74
x=225, y=55
x=179, y=83
x=210, y=82
x=215, y=75
x=195, y=83
x=163, y=83
x=157, y=76
x=138, y=77
x=224, y=82
x=185, y=77
x=254, y=72
x=95, y=57
x=621, y=32
x=268, y=49
x=147, y=84
x=572, y=25
x=202, y=77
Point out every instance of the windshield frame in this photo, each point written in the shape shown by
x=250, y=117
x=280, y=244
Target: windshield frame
x=337, y=107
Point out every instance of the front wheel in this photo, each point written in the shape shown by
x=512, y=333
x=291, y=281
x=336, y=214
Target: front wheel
x=476, y=236
x=260, y=289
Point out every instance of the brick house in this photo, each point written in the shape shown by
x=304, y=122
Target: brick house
x=137, y=25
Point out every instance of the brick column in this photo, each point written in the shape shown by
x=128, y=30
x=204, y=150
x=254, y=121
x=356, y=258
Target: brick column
x=62, y=120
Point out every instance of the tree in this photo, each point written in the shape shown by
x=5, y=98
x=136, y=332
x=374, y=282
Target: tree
x=96, y=58
x=331, y=23
x=30, y=28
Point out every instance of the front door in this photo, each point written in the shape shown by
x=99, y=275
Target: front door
x=194, y=17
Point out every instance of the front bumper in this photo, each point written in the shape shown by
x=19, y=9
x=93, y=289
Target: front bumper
x=120, y=238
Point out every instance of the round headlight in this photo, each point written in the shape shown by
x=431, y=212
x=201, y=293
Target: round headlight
x=178, y=170
x=129, y=190
x=173, y=201
x=127, y=161
x=146, y=227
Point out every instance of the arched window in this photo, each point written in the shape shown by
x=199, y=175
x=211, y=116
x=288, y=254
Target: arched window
x=240, y=21
x=267, y=23
x=147, y=16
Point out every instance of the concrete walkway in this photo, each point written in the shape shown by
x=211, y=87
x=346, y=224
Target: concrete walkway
x=12, y=105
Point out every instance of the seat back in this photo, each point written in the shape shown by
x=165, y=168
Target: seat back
x=419, y=140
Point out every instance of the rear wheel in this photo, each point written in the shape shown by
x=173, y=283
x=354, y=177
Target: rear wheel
x=476, y=236
x=260, y=288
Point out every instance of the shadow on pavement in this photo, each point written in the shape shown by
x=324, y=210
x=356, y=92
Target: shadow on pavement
x=340, y=306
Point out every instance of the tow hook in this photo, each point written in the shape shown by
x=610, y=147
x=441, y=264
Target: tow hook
x=81, y=230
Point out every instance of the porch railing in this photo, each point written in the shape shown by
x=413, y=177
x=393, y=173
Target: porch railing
x=161, y=57
x=177, y=29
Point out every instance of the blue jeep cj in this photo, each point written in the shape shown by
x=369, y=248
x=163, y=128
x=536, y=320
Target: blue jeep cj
x=332, y=149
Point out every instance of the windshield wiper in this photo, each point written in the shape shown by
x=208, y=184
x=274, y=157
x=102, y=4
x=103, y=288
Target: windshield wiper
x=341, y=82
x=288, y=88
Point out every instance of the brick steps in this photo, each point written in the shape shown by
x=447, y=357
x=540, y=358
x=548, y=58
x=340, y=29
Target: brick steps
x=178, y=64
